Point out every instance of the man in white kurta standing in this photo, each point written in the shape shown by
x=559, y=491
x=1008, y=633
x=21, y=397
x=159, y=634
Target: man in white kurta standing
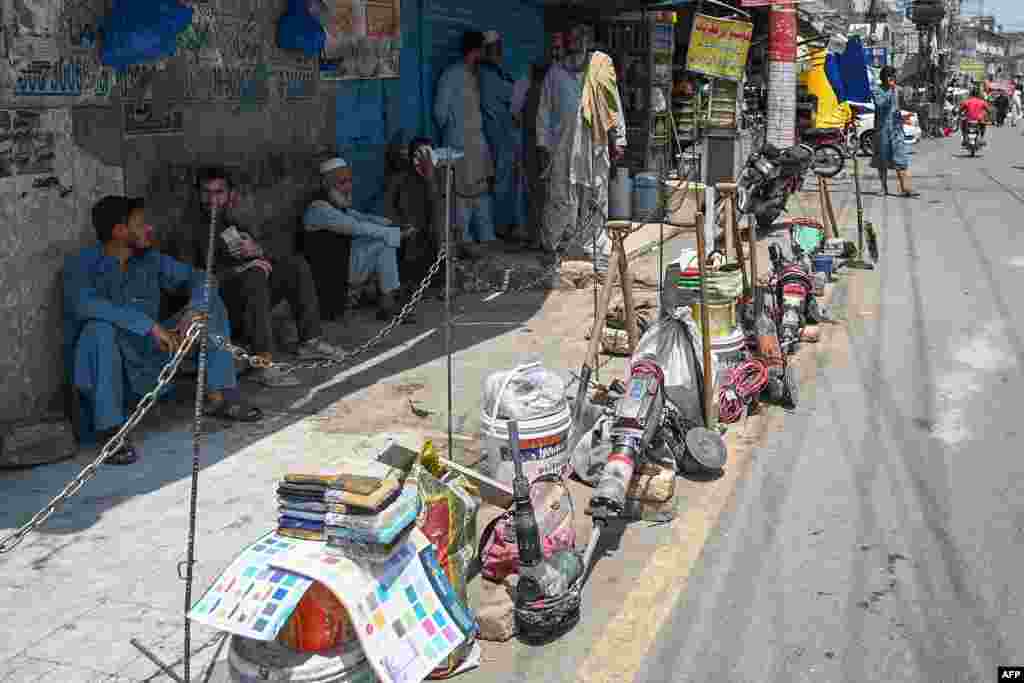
x=581, y=128
x=457, y=110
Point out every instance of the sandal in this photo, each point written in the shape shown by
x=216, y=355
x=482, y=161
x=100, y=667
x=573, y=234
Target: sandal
x=125, y=455
x=910, y=194
x=233, y=410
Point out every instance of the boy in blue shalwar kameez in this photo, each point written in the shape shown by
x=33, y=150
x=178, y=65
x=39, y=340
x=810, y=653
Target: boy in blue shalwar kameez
x=114, y=348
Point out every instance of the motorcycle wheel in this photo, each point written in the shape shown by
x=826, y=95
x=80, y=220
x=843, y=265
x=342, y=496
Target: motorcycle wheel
x=767, y=219
x=974, y=151
x=829, y=161
x=867, y=143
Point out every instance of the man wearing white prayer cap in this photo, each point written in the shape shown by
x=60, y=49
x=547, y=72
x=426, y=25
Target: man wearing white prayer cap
x=375, y=240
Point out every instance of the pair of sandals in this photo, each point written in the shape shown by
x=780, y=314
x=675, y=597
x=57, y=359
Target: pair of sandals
x=223, y=409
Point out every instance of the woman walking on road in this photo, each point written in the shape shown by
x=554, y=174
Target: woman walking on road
x=890, y=147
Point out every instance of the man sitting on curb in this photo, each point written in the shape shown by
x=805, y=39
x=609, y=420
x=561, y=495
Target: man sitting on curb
x=114, y=348
x=375, y=240
x=253, y=282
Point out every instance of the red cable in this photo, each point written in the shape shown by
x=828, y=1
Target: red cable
x=745, y=381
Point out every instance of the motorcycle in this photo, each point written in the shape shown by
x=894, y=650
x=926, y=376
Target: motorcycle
x=769, y=177
x=972, y=137
x=829, y=146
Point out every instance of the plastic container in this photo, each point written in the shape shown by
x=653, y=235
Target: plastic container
x=543, y=439
x=645, y=197
x=619, y=204
x=823, y=263
x=721, y=318
x=543, y=445
x=730, y=350
x=253, y=660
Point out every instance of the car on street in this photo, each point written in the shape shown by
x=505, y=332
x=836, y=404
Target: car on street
x=866, y=125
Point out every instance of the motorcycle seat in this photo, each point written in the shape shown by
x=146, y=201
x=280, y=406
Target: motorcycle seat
x=820, y=132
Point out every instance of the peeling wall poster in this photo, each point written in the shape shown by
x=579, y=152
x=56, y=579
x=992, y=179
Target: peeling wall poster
x=364, y=38
x=25, y=147
x=142, y=119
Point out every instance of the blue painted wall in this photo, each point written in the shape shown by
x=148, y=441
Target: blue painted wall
x=371, y=113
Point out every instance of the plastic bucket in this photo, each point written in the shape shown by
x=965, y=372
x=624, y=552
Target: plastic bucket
x=543, y=445
x=823, y=263
x=251, y=660
x=729, y=351
x=645, y=196
x=619, y=207
x=721, y=318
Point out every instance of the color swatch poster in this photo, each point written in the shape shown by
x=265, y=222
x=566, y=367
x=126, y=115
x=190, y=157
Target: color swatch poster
x=251, y=598
x=405, y=611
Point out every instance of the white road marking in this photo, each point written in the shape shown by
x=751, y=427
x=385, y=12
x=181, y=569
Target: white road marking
x=376, y=360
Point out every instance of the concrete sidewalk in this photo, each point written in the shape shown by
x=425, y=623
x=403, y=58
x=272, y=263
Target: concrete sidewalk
x=103, y=569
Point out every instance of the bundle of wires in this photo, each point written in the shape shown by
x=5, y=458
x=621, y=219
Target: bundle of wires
x=745, y=382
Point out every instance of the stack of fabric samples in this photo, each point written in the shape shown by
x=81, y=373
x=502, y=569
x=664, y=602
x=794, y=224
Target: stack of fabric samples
x=302, y=505
x=371, y=527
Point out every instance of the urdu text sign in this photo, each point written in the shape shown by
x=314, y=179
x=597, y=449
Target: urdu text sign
x=719, y=47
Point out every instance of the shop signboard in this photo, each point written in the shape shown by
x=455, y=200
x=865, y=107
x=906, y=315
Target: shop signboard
x=719, y=47
x=972, y=68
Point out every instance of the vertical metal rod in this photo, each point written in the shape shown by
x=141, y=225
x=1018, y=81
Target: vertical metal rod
x=705, y=325
x=448, y=299
x=597, y=366
x=197, y=437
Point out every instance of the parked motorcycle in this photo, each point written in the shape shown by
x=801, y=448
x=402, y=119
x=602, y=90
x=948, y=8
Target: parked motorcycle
x=769, y=177
x=829, y=146
x=972, y=137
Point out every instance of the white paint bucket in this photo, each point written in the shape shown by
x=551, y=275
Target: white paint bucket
x=543, y=444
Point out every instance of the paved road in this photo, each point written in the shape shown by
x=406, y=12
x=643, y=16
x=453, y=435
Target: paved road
x=878, y=537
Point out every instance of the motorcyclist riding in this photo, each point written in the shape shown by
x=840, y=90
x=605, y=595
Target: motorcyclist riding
x=974, y=110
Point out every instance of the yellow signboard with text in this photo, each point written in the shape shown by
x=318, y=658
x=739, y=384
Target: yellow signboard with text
x=719, y=47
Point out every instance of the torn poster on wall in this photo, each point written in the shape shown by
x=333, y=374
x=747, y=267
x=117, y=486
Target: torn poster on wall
x=142, y=119
x=364, y=39
x=26, y=148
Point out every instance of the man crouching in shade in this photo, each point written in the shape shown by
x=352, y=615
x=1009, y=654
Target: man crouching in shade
x=375, y=240
x=253, y=280
x=114, y=347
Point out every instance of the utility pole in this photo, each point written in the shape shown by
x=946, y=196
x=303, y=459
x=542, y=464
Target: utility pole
x=781, y=124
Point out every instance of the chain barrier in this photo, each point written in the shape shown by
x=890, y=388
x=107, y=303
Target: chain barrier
x=261, y=362
x=10, y=542
x=168, y=372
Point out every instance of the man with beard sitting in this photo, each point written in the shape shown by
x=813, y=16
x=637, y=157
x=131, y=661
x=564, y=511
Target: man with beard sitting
x=375, y=240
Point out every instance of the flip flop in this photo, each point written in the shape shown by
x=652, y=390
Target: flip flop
x=232, y=410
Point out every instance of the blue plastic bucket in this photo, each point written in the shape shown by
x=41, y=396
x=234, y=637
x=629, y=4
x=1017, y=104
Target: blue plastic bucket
x=823, y=263
x=645, y=196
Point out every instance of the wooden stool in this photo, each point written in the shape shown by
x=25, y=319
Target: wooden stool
x=618, y=265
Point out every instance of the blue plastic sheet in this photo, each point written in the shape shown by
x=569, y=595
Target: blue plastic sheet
x=297, y=29
x=139, y=31
x=853, y=67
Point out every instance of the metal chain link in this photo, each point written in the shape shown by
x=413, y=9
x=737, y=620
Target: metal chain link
x=10, y=542
x=261, y=362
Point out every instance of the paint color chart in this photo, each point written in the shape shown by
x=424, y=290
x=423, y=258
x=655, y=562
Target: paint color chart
x=251, y=598
x=406, y=625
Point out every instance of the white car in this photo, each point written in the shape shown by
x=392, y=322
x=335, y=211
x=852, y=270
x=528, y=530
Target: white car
x=866, y=125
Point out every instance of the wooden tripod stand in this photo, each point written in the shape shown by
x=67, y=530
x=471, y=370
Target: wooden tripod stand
x=618, y=267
